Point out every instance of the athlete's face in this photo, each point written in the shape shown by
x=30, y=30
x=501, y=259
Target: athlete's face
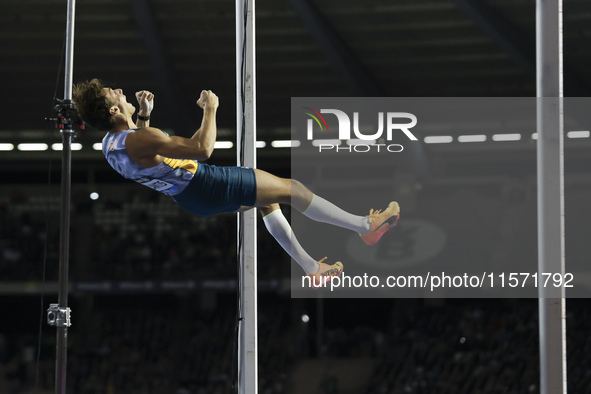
x=118, y=99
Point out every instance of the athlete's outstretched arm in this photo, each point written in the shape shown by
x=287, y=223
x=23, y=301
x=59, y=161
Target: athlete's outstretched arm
x=150, y=142
x=207, y=133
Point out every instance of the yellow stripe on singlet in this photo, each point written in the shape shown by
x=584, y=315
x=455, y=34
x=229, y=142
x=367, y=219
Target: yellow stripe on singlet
x=189, y=165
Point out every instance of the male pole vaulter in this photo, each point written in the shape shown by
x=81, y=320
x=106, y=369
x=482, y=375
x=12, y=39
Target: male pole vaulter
x=170, y=165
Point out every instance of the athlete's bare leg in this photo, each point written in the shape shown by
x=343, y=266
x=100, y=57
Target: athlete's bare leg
x=271, y=190
x=264, y=210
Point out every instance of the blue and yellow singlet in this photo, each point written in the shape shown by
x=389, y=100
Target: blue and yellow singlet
x=170, y=177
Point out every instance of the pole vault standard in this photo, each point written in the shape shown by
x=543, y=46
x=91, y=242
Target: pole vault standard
x=247, y=225
x=58, y=315
x=550, y=151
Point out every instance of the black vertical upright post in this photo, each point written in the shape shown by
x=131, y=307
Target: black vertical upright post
x=59, y=315
x=62, y=326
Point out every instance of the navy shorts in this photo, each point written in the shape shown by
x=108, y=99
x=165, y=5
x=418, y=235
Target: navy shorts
x=218, y=189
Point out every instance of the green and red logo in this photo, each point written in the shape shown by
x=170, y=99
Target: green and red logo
x=388, y=122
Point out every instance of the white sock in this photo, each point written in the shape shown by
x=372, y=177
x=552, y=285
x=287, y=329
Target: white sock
x=324, y=211
x=280, y=229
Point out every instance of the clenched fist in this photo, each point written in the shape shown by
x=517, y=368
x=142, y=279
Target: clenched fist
x=208, y=99
x=146, y=101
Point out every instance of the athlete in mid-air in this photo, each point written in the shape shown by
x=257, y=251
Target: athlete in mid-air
x=172, y=165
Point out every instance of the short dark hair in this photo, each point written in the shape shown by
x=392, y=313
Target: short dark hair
x=92, y=104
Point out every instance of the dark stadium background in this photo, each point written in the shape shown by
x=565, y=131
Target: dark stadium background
x=131, y=334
